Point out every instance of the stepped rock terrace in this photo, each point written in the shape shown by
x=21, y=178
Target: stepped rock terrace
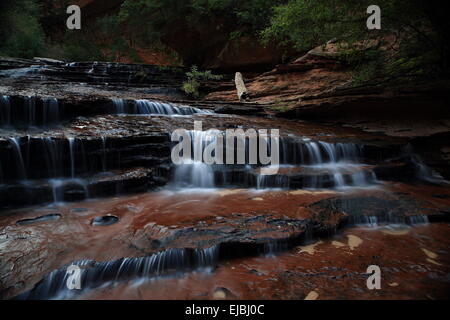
x=87, y=179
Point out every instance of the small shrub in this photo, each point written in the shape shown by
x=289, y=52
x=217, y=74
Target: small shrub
x=192, y=85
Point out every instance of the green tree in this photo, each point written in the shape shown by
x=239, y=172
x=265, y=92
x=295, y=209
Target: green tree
x=192, y=85
x=21, y=33
x=193, y=28
x=420, y=26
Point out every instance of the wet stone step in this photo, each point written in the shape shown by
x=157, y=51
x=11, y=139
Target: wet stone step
x=97, y=273
x=28, y=158
x=374, y=210
x=45, y=157
x=91, y=72
x=65, y=190
x=329, y=175
x=28, y=112
x=294, y=177
x=200, y=246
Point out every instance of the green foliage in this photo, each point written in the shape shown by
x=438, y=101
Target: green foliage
x=419, y=26
x=148, y=20
x=195, y=74
x=21, y=33
x=192, y=84
x=109, y=36
x=279, y=107
x=190, y=87
x=79, y=48
x=365, y=64
x=305, y=24
x=422, y=48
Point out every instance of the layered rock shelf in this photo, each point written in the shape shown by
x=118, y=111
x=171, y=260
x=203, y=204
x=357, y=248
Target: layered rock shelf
x=87, y=179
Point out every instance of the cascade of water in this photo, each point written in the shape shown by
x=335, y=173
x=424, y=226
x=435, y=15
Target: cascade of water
x=143, y=106
x=154, y=107
x=104, y=153
x=299, y=151
x=19, y=158
x=272, y=181
x=418, y=219
x=388, y=218
x=323, y=165
x=58, y=186
x=54, y=155
x=50, y=111
x=98, y=273
x=55, y=185
x=194, y=172
x=119, y=105
x=72, y=156
x=337, y=160
x=5, y=111
x=314, y=152
x=30, y=109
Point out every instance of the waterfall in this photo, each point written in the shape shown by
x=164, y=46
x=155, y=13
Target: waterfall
x=50, y=111
x=30, y=110
x=119, y=105
x=103, y=153
x=314, y=152
x=338, y=160
x=387, y=219
x=193, y=172
x=72, y=156
x=154, y=107
x=95, y=274
x=323, y=164
x=304, y=165
x=57, y=186
x=21, y=170
x=54, y=155
x=5, y=111
x=276, y=181
x=301, y=151
x=149, y=107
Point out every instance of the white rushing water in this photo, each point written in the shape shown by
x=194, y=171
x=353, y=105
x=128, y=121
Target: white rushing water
x=303, y=164
x=149, y=107
x=19, y=158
